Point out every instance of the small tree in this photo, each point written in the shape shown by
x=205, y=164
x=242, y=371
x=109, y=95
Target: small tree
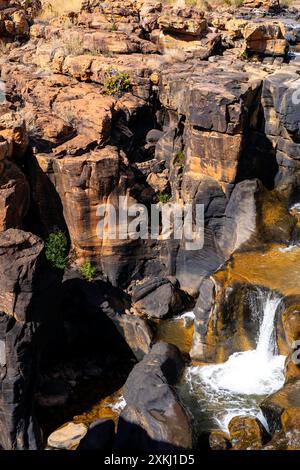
x=88, y=271
x=115, y=82
x=56, y=247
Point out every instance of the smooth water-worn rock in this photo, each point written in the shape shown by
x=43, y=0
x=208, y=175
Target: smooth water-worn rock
x=154, y=417
x=159, y=298
x=246, y=433
x=100, y=436
x=68, y=437
x=281, y=411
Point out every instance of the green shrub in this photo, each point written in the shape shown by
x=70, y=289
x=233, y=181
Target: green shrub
x=244, y=55
x=179, y=158
x=88, y=271
x=56, y=247
x=164, y=198
x=116, y=83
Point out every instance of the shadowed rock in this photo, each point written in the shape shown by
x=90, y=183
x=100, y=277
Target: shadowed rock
x=154, y=418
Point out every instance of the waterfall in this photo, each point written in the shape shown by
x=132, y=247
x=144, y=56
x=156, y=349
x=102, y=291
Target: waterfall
x=237, y=386
x=266, y=340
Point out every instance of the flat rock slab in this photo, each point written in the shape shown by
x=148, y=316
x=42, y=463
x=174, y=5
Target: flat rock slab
x=68, y=437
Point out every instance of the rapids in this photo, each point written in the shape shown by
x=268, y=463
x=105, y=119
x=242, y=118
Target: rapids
x=216, y=393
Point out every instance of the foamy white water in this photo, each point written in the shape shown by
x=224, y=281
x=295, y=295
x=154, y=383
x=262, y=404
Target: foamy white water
x=288, y=248
x=295, y=207
x=119, y=405
x=237, y=386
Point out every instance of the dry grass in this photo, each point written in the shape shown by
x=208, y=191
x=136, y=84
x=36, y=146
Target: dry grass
x=205, y=5
x=56, y=8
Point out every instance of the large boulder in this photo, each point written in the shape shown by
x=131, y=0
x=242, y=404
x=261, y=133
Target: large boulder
x=187, y=21
x=159, y=298
x=282, y=412
x=154, y=418
x=16, y=16
x=254, y=216
x=246, y=433
x=265, y=38
x=14, y=196
x=67, y=437
x=100, y=436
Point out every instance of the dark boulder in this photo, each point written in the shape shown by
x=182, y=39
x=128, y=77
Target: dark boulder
x=28, y=297
x=159, y=298
x=154, y=419
x=100, y=436
x=96, y=317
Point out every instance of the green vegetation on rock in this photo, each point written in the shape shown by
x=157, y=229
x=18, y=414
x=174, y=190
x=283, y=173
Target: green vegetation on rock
x=56, y=247
x=88, y=271
x=116, y=83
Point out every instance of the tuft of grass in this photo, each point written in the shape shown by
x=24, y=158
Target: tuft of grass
x=234, y=3
x=88, y=271
x=179, y=158
x=56, y=247
x=115, y=82
x=244, y=55
x=164, y=198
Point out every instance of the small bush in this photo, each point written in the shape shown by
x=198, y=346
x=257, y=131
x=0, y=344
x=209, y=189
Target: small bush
x=164, y=198
x=116, y=83
x=88, y=271
x=179, y=158
x=244, y=55
x=56, y=247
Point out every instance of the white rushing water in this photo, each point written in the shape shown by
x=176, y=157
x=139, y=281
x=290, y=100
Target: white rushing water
x=118, y=406
x=237, y=386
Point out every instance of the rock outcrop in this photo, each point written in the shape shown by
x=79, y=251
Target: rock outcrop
x=246, y=433
x=21, y=264
x=154, y=418
x=282, y=413
x=159, y=298
x=16, y=17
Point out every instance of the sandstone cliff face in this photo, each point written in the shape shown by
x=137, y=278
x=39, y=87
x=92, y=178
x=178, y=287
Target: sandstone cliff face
x=14, y=188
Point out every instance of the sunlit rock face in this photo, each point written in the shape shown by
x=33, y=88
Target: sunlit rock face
x=267, y=39
x=282, y=411
x=226, y=321
x=17, y=16
x=280, y=100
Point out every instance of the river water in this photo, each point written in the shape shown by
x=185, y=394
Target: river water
x=216, y=393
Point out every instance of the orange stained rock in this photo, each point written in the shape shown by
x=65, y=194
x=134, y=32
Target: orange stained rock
x=276, y=268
